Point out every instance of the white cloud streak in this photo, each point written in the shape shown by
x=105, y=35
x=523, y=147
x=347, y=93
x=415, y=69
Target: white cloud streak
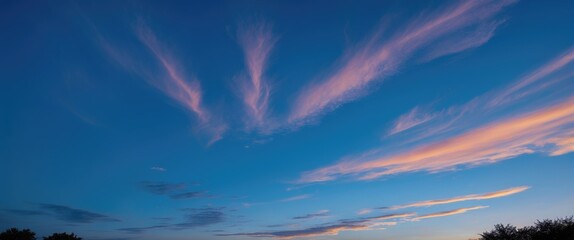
x=448, y=213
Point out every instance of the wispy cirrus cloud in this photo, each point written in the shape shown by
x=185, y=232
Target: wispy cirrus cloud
x=191, y=195
x=564, y=144
x=412, y=119
x=257, y=41
x=176, y=191
x=329, y=229
x=75, y=215
x=378, y=59
x=447, y=213
x=138, y=230
x=526, y=86
x=184, y=89
x=466, y=40
x=543, y=130
x=365, y=211
x=379, y=218
x=296, y=198
x=171, y=80
x=471, y=197
x=319, y=214
x=201, y=217
x=193, y=218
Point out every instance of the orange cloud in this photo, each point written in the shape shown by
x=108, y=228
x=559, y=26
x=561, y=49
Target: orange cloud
x=497, y=194
x=528, y=133
x=448, y=213
x=520, y=89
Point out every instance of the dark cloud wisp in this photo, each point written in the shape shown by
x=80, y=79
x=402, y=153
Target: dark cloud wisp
x=161, y=188
x=74, y=215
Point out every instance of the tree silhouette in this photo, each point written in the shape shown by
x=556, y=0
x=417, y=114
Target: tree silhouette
x=63, y=236
x=559, y=229
x=15, y=234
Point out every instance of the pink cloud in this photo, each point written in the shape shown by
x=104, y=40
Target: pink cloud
x=171, y=80
x=411, y=119
x=185, y=90
x=482, y=34
x=376, y=59
x=518, y=90
x=507, y=138
x=257, y=41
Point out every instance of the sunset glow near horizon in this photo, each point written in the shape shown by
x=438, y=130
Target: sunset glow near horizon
x=285, y=119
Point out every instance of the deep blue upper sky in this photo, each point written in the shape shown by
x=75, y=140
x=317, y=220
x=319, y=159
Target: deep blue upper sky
x=292, y=119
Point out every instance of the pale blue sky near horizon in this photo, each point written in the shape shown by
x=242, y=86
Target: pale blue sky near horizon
x=285, y=119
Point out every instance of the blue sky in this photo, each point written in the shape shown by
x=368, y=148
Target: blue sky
x=294, y=119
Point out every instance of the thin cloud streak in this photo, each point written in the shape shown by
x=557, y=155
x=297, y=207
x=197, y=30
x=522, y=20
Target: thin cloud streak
x=364, y=211
x=377, y=61
x=542, y=130
x=476, y=38
x=296, y=198
x=520, y=89
x=448, y=213
x=186, y=92
x=257, y=41
x=75, y=215
x=516, y=90
x=564, y=144
x=183, y=89
x=330, y=229
x=319, y=214
x=412, y=119
x=200, y=217
x=191, y=195
x=472, y=197
x=159, y=169
x=162, y=188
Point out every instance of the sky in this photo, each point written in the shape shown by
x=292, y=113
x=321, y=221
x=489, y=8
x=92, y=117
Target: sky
x=285, y=119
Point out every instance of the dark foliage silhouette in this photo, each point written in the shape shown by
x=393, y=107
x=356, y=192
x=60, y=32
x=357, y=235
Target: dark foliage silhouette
x=15, y=234
x=63, y=236
x=559, y=229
